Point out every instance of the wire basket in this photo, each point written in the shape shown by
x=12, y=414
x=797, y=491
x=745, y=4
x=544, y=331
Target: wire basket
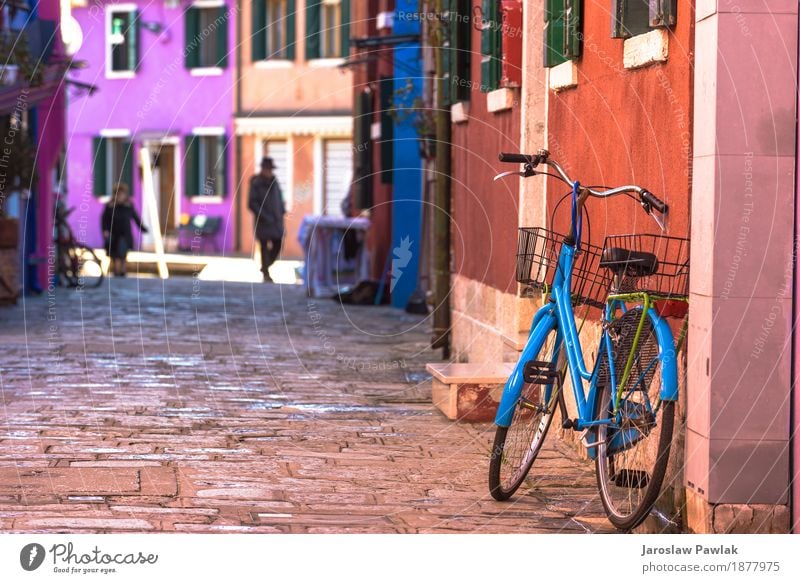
x=537, y=260
x=671, y=278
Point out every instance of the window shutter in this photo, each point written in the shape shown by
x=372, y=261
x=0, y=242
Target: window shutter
x=99, y=178
x=133, y=41
x=460, y=50
x=572, y=29
x=663, y=13
x=191, y=167
x=510, y=39
x=362, y=182
x=126, y=175
x=222, y=37
x=192, y=39
x=258, y=38
x=490, y=43
x=345, y=29
x=629, y=18
x=553, y=32
x=387, y=130
x=313, y=21
x=290, y=29
x=222, y=165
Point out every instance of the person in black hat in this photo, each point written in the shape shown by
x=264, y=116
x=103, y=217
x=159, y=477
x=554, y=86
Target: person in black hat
x=266, y=203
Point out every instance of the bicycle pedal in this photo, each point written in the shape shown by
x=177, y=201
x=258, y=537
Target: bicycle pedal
x=537, y=372
x=586, y=443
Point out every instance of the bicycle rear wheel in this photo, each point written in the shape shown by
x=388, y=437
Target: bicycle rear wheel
x=633, y=450
x=84, y=268
x=517, y=446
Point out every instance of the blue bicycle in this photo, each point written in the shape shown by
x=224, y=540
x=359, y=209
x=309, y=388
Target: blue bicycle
x=626, y=419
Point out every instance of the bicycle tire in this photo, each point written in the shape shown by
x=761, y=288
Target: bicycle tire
x=527, y=430
x=87, y=271
x=632, y=454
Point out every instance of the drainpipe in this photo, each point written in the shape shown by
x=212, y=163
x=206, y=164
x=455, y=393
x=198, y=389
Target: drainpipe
x=237, y=140
x=441, y=198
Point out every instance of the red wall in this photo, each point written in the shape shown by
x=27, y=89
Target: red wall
x=485, y=213
x=623, y=126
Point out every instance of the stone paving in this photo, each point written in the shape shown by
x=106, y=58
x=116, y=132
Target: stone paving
x=216, y=407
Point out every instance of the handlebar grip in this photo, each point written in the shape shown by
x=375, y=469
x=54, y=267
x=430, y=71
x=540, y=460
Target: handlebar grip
x=519, y=158
x=651, y=199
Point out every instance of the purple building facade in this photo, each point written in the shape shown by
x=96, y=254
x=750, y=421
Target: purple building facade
x=161, y=77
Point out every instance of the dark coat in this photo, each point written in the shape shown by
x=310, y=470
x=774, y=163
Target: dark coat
x=117, y=222
x=266, y=203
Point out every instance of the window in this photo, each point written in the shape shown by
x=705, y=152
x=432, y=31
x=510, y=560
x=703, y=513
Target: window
x=205, y=161
x=113, y=163
x=338, y=174
x=562, y=31
x=635, y=17
x=273, y=29
x=327, y=29
x=122, y=40
x=206, y=40
x=460, y=43
x=278, y=150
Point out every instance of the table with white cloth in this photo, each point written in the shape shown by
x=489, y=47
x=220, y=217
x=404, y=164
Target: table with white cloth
x=335, y=253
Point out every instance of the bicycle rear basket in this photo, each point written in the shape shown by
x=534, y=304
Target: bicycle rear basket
x=537, y=261
x=671, y=276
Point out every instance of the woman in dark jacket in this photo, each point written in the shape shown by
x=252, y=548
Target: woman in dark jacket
x=117, y=231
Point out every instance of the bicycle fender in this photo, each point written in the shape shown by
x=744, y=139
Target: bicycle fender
x=545, y=321
x=666, y=352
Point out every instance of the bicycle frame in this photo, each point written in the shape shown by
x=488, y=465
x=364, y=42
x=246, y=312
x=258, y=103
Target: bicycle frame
x=558, y=314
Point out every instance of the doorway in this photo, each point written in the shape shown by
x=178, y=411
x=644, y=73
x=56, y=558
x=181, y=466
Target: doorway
x=163, y=160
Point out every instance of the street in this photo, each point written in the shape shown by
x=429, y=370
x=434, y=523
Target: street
x=195, y=406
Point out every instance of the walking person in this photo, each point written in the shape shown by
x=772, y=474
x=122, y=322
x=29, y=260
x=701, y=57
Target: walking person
x=266, y=203
x=117, y=231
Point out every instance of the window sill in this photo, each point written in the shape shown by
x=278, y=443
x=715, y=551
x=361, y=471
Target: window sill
x=202, y=199
x=500, y=100
x=325, y=63
x=274, y=64
x=120, y=74
x=563, y=76
x=646, y=49
x=459, y=112
x=206, y=72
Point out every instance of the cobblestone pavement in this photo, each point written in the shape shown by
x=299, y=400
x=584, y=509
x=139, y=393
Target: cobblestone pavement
x=209, y=407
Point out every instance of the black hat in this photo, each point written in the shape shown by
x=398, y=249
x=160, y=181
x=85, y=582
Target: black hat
x=267, y=162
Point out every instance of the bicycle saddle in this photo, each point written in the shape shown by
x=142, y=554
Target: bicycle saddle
x=631, y=263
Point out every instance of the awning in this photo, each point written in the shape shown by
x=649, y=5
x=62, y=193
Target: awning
x=331, y=126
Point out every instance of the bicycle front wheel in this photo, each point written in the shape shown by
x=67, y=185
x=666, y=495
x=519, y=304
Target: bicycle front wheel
x=517, y=446
x=633, y=449
x=85, y=268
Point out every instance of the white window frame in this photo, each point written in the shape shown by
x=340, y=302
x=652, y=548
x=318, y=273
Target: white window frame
x=112, y=134
x=110, y=10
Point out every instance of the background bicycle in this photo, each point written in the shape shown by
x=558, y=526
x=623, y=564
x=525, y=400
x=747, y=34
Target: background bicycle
x=77, y=264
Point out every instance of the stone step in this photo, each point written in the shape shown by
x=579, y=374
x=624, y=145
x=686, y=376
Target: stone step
x=468, y=391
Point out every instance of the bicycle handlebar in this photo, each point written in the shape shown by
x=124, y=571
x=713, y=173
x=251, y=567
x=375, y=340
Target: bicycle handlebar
x=648, y=200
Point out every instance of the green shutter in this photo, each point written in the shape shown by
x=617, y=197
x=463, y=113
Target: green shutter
x=290, y=28
x=133, y=41
x=258, y=38
x=345, y=29
x=387, y=130
x=99, y=177
x=192, y=38
x=572, y=29
x=126, y=174
x=362, y=181
x=460, y=49
x=313, y=21
x=222, y=165
x=663, y=13
x=491, y=46
x=191, y=167
x=222, y=36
